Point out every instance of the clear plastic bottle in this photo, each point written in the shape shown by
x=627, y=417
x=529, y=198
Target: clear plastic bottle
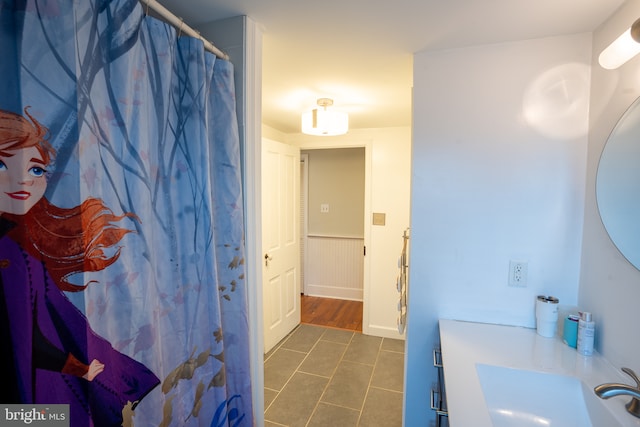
x=586, y=333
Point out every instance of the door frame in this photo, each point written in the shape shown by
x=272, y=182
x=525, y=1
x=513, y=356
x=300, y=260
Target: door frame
x=304, y=244
x=347, y=141
x=249, y=87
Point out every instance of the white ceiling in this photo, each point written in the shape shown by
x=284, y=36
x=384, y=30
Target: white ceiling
x=359, y=52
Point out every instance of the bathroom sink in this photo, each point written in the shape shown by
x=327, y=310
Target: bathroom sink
x=523, y=398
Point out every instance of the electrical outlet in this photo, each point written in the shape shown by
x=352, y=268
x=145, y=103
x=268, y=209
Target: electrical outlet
x=518, y=274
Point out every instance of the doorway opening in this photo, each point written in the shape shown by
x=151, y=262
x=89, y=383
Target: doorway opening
x=332, y=228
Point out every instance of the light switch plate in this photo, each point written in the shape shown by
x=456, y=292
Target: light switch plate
x=379, y=218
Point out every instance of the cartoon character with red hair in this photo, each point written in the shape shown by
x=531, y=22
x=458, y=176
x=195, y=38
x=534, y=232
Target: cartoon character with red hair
x=53, y=355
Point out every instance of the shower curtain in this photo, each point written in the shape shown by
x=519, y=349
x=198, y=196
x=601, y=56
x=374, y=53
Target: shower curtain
x=141, y=317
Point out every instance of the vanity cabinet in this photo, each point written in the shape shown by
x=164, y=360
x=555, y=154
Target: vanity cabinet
x=500, y=375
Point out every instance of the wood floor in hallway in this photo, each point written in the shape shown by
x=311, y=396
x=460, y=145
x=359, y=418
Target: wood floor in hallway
x=333, y=313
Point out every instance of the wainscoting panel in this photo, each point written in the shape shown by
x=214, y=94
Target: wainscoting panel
x=335, y=267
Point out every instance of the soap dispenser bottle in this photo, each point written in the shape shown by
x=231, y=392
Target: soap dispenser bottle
x=586, y=333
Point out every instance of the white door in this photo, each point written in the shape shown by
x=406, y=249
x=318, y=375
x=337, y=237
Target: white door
x=280, y=240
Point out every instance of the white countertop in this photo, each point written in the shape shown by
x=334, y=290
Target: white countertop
x=465, y=344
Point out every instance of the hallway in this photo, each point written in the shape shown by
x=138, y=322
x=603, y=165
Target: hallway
x=319, y=376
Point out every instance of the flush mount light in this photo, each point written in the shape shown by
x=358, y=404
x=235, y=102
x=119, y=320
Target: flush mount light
x=622, y=49
x=324, y=122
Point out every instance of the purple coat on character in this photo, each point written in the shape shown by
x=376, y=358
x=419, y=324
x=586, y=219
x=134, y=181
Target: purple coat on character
x=37, y=325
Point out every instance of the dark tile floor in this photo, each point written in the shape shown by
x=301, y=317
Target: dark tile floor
x=318, y=377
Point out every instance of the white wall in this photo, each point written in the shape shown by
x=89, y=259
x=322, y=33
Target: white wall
x=609, y=285
x=498, y=174
x=390, y=194
x=388, y=191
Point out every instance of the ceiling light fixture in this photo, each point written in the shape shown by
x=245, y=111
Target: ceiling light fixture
x=622, y=49
x=324, y=122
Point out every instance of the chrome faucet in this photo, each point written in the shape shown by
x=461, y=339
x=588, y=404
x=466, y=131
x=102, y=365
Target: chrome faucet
x=605, y=391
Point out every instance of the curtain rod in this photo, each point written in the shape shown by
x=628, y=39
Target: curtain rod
x=184, y=28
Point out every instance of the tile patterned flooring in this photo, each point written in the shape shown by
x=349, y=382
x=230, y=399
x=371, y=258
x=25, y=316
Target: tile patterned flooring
x=319, y=377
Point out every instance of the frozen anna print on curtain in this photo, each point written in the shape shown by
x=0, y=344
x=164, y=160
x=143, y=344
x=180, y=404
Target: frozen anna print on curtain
x=122, y=288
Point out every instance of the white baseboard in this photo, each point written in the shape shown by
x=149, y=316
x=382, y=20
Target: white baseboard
x=333, y=292
x=382, y=331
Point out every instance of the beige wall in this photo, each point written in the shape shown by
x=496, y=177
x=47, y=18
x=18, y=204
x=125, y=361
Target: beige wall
x=336, y=179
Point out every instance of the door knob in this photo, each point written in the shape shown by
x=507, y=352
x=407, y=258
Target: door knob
x=267, y=258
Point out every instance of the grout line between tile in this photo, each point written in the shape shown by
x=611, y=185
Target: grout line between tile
x=273, y=351
x=330, y=377
x=373, y=371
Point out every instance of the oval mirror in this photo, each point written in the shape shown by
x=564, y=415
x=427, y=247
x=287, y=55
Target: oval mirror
x=618, y=185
